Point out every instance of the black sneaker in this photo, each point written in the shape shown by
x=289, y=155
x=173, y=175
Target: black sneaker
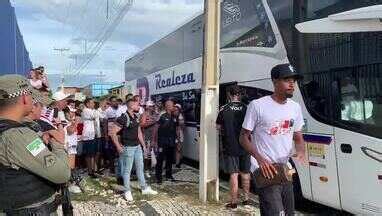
x=93, y=176
x=178, y=166
x=120, y=180
x=231, y=205
x=159, y=181
x=100, y=171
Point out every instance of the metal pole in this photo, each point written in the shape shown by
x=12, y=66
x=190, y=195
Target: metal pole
x=107, y=9
x=62, y=50
x=209, y=143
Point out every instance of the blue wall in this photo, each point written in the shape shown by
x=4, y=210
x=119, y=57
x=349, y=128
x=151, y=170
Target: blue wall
x=14, y=58
x=100, y=89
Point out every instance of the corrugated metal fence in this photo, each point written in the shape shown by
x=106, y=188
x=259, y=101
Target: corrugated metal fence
x=14, y=58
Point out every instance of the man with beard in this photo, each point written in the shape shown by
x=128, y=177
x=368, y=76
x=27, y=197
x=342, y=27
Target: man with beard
x=130, y=148
x=165, y=133
x=270, y=126
x=112, y=112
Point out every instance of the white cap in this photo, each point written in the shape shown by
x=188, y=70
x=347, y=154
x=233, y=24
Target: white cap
x=150, y=103
x=60, y=95
x=71, y=109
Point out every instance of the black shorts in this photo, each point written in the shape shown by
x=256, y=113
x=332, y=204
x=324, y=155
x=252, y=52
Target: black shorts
x=100, y=142
x=236, y=164
x=89, y=147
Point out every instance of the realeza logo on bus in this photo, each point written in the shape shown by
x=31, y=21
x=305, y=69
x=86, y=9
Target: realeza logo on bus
x=174, y=80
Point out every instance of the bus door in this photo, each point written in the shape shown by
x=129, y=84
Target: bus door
x=359, y=171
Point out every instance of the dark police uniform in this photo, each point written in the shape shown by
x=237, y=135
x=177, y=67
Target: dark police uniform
x=29, y=172
x=231, y=117
x=167, y=124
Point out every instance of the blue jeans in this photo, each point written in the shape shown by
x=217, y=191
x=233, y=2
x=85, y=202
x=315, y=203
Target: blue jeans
x=130, y=155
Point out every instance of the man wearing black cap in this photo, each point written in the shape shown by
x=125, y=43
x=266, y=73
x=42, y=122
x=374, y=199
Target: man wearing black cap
x=274, y=122
x=237, y=160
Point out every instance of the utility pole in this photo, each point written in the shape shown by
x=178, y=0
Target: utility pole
x=209, y=142
x=61, y=51
x=100, y=77
x=107, y=9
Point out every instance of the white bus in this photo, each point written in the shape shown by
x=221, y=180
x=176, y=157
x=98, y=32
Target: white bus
x=341, y=95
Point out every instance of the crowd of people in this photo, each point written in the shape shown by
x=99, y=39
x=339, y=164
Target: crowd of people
x=111, y=135
x=66, y=140
x=46, y=141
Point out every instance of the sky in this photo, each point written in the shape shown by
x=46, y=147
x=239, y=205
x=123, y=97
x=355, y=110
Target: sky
x=49, y=24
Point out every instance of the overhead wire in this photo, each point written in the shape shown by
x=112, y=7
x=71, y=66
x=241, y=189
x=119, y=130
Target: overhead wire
x=95, y=34
x=105, y=35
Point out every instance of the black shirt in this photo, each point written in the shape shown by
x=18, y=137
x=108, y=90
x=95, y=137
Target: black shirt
x=45, y=126
x=167, y=130
x=230, y=118
x=129, y=132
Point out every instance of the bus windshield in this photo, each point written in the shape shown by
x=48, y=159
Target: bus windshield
x=343, y=71
x=245, y=24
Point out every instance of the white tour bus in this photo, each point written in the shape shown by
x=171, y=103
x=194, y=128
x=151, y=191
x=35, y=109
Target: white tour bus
x=341, y=94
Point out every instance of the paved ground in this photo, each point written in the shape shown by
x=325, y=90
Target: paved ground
x=101, y=197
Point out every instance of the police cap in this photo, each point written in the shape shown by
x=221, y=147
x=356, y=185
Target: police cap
x=38, y=97
x=13, y=85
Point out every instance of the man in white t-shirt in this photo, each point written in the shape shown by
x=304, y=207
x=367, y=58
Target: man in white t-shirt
x=110, y=153
x=88, y=135
x=270, y=126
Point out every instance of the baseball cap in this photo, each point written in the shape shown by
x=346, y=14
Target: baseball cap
x=150, y=103
x=71, y=109
x=179, y=106
x=129, y=97
x=13, y=85
x=37, y=97
x=60, y=95
x=284, y=71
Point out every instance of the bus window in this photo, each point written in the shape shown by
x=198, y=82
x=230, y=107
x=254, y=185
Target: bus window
x=251, y=93
x=245, y=24
x=189, y=100
x=343, y=73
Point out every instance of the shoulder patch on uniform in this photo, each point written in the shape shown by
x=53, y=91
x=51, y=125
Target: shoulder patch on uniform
x=36, y=146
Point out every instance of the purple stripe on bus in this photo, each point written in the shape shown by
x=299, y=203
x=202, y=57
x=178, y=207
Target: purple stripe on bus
x=319, y=139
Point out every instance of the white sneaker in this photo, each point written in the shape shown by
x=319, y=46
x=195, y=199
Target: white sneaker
x=74, y=189
x=147, y=174
x=149, y=191
x=127, y=195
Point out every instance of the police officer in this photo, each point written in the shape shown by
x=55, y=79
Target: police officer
x=165, y=133
x=29, y=172
x=32, y=120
